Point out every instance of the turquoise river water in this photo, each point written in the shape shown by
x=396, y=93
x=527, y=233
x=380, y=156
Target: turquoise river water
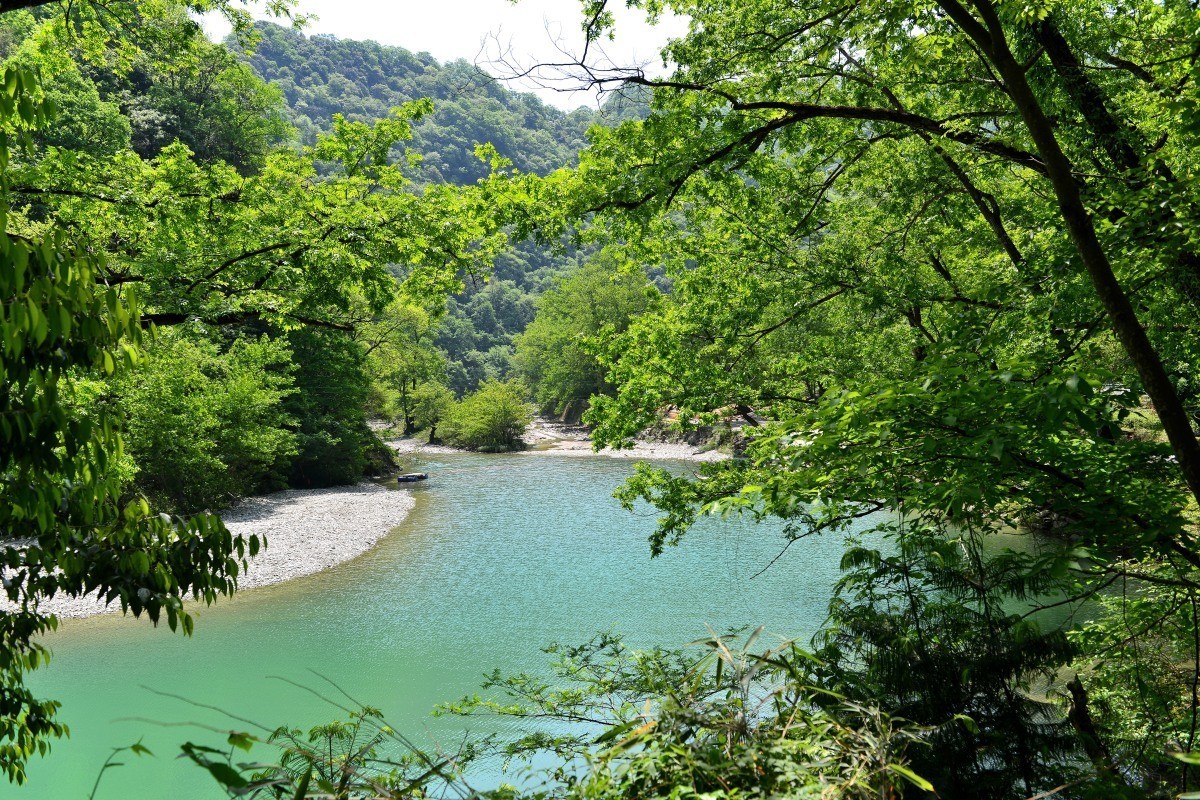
x=502, y=555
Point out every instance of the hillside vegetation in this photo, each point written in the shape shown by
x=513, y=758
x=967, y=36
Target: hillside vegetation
x=321, y=75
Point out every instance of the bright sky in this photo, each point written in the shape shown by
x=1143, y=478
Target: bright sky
x=528, y=32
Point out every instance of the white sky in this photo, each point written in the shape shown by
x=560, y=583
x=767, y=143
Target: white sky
x=477, y=30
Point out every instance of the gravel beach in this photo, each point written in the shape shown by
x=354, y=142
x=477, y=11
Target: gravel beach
x=641, y=451
x=307, y=531
x=543, y=437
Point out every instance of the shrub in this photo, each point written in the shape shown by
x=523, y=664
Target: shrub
x=205, y=426
x=492, y=419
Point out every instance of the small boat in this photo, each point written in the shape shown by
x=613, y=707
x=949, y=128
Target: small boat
x=409, y=477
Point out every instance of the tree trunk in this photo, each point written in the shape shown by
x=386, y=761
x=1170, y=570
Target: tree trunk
x=1080, y=228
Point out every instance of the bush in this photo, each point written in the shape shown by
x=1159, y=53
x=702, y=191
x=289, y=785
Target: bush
x=205, y=426
x=730, y=724
x=492, y=419
x=336, y=446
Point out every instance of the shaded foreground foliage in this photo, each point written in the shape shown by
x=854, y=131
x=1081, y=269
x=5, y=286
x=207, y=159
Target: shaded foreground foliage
x=730, y=721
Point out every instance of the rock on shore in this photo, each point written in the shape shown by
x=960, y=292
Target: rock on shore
x=307, y=531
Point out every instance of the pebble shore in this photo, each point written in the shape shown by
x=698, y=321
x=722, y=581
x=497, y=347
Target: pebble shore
x=307, y=531
x=544, y=437
x=640, y=450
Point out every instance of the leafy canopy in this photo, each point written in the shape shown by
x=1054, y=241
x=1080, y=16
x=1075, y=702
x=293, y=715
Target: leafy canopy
x=940, y=259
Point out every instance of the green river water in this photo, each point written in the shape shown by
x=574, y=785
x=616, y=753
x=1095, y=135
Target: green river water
x=502, y=555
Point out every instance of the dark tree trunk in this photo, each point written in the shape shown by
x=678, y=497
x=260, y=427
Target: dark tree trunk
x=989, y=36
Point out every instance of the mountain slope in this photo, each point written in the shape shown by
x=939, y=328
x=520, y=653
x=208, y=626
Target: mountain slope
x=321, y=75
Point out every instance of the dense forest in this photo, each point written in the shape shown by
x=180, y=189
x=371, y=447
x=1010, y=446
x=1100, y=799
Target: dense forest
x=321, y=76
x=936, y=260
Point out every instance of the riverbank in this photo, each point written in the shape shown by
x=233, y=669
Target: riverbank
x=544, y=436
x=311, y=530
x=307, y=531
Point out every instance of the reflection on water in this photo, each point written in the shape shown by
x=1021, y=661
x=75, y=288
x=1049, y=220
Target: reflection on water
x=502, y=555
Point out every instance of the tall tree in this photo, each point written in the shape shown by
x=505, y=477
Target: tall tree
x=936, y=253
x=555, y=354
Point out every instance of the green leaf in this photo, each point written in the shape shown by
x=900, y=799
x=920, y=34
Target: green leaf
x=240, y=740
x=911, y=777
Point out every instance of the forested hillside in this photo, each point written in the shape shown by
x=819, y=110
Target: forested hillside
x=321, y=75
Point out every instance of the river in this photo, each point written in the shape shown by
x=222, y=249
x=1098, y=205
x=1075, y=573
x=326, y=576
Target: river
x=501, y=555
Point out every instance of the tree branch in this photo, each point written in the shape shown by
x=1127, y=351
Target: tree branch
x=167, y=318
